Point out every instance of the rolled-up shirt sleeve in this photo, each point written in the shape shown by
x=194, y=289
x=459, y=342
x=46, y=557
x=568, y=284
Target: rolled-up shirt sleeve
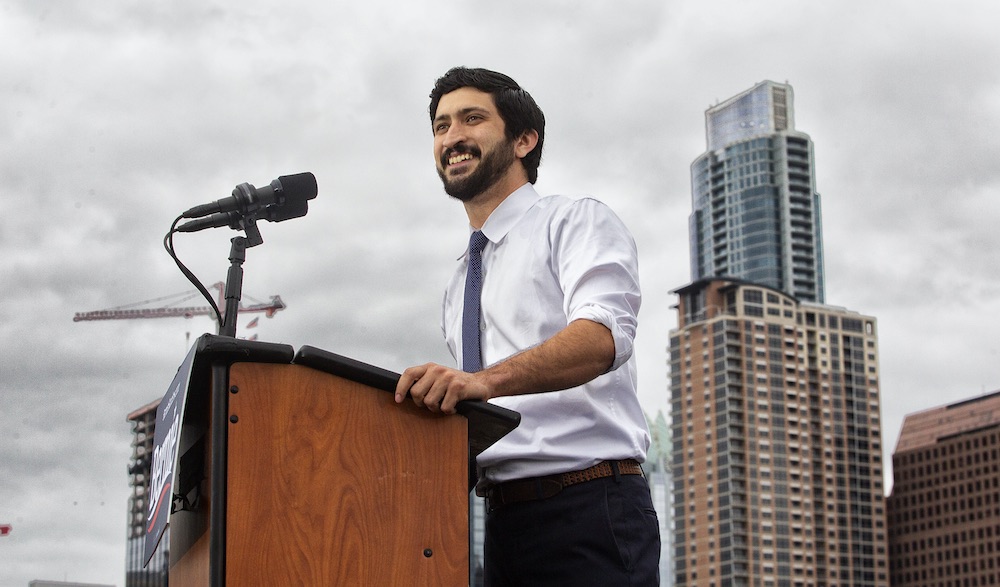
x=596, y=261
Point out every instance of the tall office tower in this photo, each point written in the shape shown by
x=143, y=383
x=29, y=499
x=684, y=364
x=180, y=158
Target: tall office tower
x=776, y=437
x=136, y=574
x=756, y=212
x=944, y=510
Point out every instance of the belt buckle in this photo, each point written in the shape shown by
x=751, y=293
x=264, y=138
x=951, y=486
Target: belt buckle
x=546, y=487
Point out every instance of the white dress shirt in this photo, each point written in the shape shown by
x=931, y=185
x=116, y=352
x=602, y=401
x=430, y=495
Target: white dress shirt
x=550, y=261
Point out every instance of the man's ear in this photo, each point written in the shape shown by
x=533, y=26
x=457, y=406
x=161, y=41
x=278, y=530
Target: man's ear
x=525, y=143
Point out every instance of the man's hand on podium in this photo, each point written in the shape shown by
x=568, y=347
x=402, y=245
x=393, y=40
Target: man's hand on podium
x=439, y=388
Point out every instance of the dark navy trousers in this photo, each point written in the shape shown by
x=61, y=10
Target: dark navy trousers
x=602, y=533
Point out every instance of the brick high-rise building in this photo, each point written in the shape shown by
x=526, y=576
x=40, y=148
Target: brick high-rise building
x=776, y=431
x=944, y=511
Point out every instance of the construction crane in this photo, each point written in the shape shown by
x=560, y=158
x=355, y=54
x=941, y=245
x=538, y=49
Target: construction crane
x=170, y=307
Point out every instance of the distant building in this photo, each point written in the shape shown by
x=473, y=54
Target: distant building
x=776, y=432
x=944, y=510
x=657, y=470
x=756, y=212
x=477, y=539
x=155, y=575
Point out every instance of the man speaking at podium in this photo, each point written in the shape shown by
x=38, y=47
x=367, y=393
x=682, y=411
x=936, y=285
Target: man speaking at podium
x=541, y=316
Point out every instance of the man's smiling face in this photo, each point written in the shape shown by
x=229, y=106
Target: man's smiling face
x=471, y=148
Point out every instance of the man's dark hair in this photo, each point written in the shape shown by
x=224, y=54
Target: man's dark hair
x=517, y=108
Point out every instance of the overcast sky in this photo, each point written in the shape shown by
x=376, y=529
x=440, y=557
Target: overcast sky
x=117, y=116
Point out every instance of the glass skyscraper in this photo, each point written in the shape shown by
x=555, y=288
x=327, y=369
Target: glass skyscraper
x=756, y=212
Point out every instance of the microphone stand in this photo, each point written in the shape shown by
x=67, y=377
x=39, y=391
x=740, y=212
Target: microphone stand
x=234, y=286
x=234, y=278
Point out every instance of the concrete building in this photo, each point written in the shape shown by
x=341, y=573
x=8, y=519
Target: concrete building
x=143, y=422
x=776, y=432
x=944, y=510
x=755, y=209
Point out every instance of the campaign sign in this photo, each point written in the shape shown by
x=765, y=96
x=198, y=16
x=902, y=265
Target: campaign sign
x=166, y=445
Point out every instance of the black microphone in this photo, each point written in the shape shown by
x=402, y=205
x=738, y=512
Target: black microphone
x=247, y=198
x=272, y=213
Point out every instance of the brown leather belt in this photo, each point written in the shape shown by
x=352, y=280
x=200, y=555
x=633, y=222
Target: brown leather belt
x=534, y=488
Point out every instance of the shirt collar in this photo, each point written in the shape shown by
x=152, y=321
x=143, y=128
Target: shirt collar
x=505, y=216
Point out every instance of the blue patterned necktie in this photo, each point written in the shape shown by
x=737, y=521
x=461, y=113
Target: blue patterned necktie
x=472, y=353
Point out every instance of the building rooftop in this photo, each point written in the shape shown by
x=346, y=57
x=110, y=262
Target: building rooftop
x=923, y=429
x=760, y=111
x=146, y=410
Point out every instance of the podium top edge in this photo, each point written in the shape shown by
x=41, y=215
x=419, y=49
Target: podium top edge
x=347, y=368
x=488, y=422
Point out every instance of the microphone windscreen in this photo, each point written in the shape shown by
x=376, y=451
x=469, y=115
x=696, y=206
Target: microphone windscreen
x=299, y=187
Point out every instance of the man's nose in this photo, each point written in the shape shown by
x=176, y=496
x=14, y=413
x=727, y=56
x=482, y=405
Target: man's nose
x=455, y=135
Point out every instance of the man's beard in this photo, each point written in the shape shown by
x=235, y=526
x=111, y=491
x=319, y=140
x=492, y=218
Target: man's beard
x=491, y=168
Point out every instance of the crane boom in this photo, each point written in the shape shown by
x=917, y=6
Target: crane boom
x=133, y=312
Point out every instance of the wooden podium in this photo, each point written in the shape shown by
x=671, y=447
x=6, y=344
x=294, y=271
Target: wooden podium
x=300, y=469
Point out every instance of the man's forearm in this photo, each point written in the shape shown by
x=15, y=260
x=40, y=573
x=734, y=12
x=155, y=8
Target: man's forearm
x=575, y=355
